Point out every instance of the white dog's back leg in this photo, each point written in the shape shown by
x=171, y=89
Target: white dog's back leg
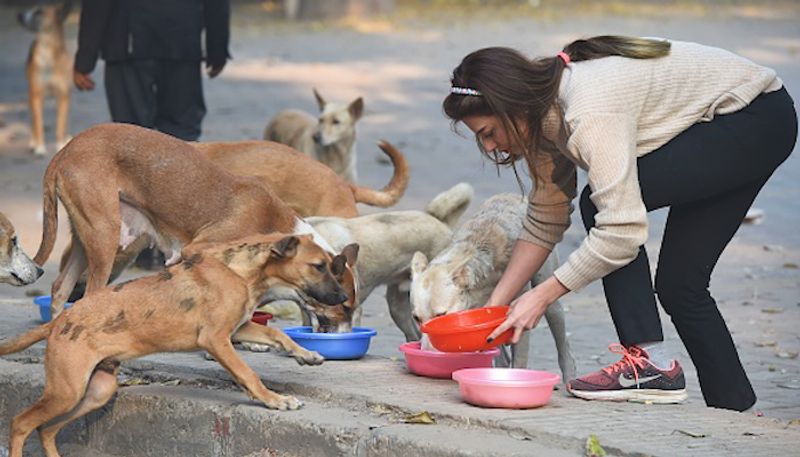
x=555, y=320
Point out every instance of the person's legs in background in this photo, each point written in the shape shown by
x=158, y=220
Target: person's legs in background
x=180, y=101
x=131, y=91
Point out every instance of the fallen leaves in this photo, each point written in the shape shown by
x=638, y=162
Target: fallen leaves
x=786, y=355
x=593, y=448
x=420, y=418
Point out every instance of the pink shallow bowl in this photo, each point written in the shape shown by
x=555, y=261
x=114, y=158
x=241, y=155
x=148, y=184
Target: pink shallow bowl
x=506, y=387
x=434, y=364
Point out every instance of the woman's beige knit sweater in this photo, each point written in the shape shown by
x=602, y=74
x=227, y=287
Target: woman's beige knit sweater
x=609, y=112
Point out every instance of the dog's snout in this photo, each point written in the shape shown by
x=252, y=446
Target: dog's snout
x=317, y=137
x=341, y=297
x=39, y=272
x=440, y=314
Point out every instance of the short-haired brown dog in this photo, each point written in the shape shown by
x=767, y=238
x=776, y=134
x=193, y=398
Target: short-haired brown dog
x=48, y=70
x=309, y=187
x=118, y=181
x=197, y=304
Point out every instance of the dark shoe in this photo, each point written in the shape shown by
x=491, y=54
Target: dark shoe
x=634, y=378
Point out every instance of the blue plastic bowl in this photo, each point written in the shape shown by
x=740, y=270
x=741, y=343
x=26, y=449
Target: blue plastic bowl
x=333, y=346
x=43, y=302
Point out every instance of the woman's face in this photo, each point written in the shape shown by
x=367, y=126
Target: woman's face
x=491, y=133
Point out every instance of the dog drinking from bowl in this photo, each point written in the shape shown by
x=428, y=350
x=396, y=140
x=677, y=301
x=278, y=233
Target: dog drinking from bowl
x=463, y=275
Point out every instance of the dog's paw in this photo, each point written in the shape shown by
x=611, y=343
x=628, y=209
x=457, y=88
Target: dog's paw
x=60, y=145
x=255, y=347
x=38, y=150
x=284, y=402
x=308, y=358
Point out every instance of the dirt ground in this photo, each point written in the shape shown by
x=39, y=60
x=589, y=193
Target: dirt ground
x=401, y=65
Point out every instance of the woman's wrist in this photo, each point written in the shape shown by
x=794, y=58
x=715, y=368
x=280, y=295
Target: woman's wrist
x=552, y=289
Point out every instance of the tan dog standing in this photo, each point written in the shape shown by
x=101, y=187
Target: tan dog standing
x=309, y=187
x=464, y=274
x=119, y=181
x=16, y=268
x=329, y=138
x=198, y=304
x=48, y=70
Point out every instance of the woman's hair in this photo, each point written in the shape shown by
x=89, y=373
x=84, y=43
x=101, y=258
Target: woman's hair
x=520, y=90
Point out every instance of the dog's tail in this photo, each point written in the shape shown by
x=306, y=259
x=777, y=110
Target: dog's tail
x=390, y=194
x=26, y=339
x=50, y=210
x=451, y=204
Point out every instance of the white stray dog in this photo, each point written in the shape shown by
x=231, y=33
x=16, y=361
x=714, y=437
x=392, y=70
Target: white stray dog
x=464, y=274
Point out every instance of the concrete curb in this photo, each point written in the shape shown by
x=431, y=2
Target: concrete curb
x=356, y=409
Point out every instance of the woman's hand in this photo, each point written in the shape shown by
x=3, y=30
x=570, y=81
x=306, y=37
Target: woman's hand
x=529, y=308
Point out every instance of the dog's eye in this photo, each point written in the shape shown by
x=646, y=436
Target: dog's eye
x=321, y=267
x=336, y=122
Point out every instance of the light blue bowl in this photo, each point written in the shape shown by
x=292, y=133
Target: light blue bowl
x=43, y=302
x=333, y=346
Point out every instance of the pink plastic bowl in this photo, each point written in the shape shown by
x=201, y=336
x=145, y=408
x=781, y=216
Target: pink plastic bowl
x=434, y=364
x=506, y=387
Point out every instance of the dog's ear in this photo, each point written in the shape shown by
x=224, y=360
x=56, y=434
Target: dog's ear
x=285, y=248
x=356, y=109
x=418, y=264
x=320, y=101
x=338, y=265
x=463, y=277
x=350, y=252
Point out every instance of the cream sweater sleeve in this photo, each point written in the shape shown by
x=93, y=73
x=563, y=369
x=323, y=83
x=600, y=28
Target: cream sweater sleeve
x=606, y=146
x=549, y=202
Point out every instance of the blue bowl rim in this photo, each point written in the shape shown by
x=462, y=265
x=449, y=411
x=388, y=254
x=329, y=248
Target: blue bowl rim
x=45, y=300
x=304, y=332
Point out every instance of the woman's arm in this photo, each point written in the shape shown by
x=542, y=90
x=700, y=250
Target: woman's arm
x=526, y=259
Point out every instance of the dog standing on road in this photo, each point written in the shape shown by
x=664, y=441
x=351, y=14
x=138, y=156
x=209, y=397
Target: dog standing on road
x=16, y=268
x=330, y=138
x=308, y=186
x=199, y=303
x=463, y=275
x=48, y=70
x=119, y=181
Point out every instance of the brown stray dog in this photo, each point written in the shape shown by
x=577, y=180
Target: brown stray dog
x=119, y=181
x=196, y=304
x=308, y=186
x=16, y=268
x=48, y=70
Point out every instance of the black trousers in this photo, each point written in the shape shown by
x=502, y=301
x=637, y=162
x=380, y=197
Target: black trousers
x=166, y=95
x=709, y=176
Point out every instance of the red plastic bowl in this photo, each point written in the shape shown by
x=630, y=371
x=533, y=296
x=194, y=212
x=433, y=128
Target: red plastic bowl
x=506, y=387
x=466, y=331
x=261, y=318
x=435, y=364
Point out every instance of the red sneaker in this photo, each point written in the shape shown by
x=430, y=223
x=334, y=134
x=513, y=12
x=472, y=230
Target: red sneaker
x=634, y=378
